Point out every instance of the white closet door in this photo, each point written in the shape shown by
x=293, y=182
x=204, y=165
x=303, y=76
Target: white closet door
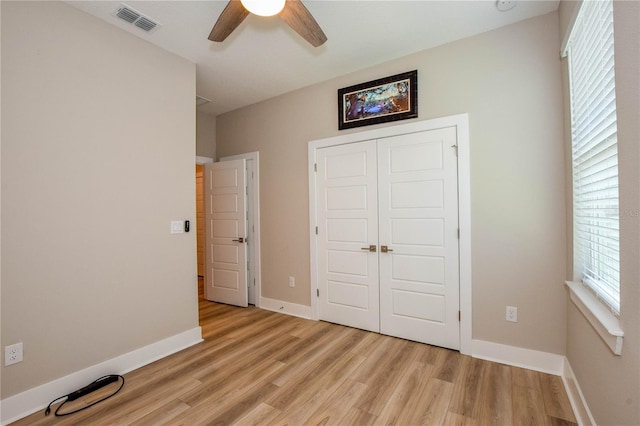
x=225, y=213
x=418, y=215
x=347, y=209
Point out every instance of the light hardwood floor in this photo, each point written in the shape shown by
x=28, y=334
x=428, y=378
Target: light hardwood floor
x=259, y=367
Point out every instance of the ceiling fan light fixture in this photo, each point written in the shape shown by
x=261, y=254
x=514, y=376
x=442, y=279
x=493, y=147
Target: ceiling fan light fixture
x=263, y=7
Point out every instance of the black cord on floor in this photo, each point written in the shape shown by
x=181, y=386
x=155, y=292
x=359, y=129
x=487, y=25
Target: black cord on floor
x=95, y=385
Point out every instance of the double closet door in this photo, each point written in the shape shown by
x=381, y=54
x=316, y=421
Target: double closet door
x=388, y=257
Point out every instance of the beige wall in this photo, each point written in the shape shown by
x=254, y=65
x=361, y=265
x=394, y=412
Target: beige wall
x=98, y=147
x=205, y=135
x=611, y=384
x=508, y=80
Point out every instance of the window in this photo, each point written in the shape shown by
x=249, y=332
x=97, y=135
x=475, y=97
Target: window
x=595, y=153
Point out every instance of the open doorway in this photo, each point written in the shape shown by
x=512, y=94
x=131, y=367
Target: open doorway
x=252, y=161
x=200, y=225
x=253, y=276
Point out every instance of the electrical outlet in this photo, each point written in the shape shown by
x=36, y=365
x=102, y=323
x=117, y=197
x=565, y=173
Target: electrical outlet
x=504, y=5
x=292, y=282
x=512, y=314
x=13, y=354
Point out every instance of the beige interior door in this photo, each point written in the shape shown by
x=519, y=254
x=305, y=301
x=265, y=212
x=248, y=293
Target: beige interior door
x=225, y=212
x=347, y=228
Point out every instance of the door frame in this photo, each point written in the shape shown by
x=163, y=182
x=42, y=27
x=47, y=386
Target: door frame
x=254, y=201
x=201, y=161
x=461, y=123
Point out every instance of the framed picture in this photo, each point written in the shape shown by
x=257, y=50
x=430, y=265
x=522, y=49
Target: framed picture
x=379, y=101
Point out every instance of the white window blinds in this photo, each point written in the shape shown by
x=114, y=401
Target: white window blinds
x=595, y=153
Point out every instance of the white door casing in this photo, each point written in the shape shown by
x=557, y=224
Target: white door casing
x=251, y=234
x=225, y=216
x=418, y=225
x=347, y=227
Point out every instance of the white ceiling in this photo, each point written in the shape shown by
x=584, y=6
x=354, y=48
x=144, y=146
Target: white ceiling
x=263, y=58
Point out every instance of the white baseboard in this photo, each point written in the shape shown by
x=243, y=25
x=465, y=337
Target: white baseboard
x=539, y=361
x=544, y=362
x=28, y=402
x=294, y=309
x=576, y=398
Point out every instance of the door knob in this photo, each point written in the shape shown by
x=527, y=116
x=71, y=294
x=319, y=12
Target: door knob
x=240, y=240
x=371, y=248
x=385, y=249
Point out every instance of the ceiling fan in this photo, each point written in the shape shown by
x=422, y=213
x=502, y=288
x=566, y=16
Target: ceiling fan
x=293, y=12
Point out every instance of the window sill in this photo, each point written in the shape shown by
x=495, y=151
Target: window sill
x=601, y=319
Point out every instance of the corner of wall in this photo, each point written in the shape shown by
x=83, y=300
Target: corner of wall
x=205, y=135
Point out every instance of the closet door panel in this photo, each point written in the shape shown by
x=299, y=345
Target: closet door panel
x=347, y=208
x=418, y=222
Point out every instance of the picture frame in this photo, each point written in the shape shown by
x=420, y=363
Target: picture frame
x=378, y=101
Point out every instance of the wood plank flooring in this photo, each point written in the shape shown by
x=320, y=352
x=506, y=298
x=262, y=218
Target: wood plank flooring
x=257, y=367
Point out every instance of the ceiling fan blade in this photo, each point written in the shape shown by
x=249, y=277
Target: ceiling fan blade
x=232, y=16
x=296, y=15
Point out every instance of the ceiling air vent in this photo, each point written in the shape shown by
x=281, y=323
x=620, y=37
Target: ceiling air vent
x=145, y=24
x=127, y=14
x=136, y=18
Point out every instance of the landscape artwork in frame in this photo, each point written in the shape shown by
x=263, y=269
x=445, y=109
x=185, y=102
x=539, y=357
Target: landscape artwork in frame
x=379, y=101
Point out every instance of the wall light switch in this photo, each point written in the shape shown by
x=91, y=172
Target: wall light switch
x=177, y=227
